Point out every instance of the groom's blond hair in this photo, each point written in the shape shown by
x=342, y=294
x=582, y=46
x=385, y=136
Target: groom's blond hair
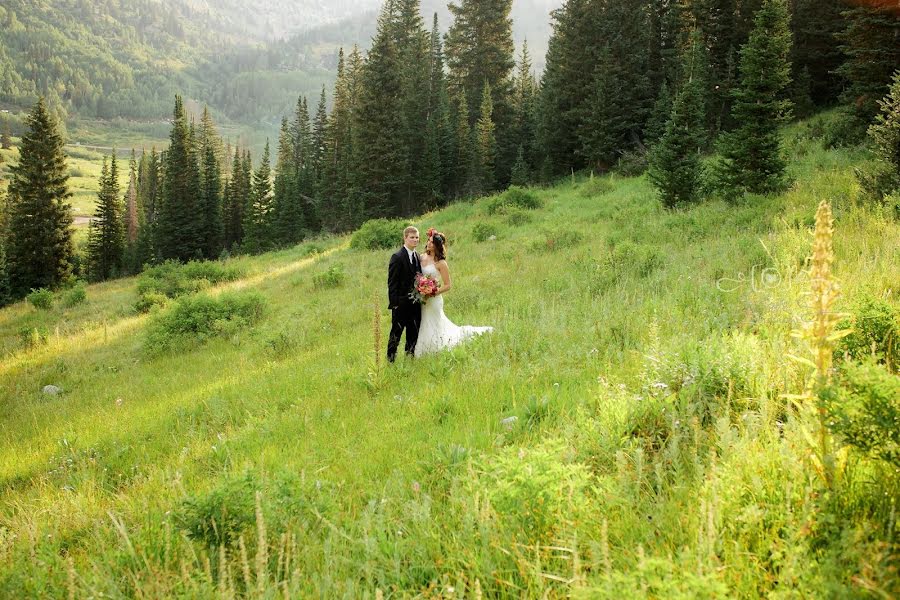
x=409, y=230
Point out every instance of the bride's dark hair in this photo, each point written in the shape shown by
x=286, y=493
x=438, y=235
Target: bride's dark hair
x=437, y=243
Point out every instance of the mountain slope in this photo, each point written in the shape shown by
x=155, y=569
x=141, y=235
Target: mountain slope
x=640, y=350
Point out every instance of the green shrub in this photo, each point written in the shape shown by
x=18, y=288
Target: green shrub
x=864, y=409
x=311, y=249
x=632, y=163
x=75, y=296
x=557, y=240
x=482, y=232
x=843, y=130
x=173, y=279
x=517, y=216
x=220, y=516
x=877, y=180
x=41, y=299
x=875, y=326
x=378, y=234
x=333, y=277
x=32, y=337
x=596, y=186
x=512, y=198
x=199, y=317
x=149, y=301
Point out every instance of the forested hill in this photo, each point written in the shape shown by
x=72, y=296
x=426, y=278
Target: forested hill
x=106, y=58
x=112, y=58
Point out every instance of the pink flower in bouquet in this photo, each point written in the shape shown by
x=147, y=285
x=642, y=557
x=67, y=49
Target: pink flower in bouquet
x=426, y=286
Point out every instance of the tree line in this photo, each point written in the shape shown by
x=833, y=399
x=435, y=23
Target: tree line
x=423, y=119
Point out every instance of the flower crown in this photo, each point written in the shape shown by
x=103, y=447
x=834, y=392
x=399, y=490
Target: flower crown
x=432, y=232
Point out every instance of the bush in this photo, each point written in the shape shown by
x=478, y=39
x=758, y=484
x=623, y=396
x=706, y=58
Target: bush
x=517, y=216
x=557, y=240
x=172, y=279
x=311, y=249
x=875, y=326
x=331, y=278
x=32, y=337
x=200, y=317
x=41, y=299
x=220, y=516
x=512, y=198
x=632, y=163
x=844, y=130
x=378, y=234
x=482, y=232
x=877, y=181
x=596, y=186
x=149, y=301
x=864, y=410
x=75, y=296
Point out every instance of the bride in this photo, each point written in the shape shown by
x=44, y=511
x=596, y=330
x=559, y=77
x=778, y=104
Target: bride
x=436, y=331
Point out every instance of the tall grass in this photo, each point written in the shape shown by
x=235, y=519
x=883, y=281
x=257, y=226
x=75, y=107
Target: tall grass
x=642, y=352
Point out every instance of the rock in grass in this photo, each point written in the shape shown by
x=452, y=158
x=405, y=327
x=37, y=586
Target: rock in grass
x=509, y=422
x=51, y=390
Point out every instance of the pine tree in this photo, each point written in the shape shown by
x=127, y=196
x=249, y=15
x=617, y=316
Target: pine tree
x=485, y=144
x=480, y=52
x=435, y=142
x=106, y=238
x=524, y=126
x=179, y=218
x=675, y=166
x=662, y=112
x=235, y=203
x=149, y=190
x=131, y=217
x=871, y=44
x=751, y=154
x=817, y=53
x=5, y=291
x=884, y=133
x=288, y=214
x=340, y=133
x=464, y=156
x=622, y=98
x=414, y=67
x=258, y=225
x=319, y=137
x=567, y=85
x=211, y=203
x=520, y=175
x=6, y=137
x=378, y=160
x=39, y=248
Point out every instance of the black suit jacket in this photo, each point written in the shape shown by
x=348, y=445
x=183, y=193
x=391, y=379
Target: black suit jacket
x=401, y=278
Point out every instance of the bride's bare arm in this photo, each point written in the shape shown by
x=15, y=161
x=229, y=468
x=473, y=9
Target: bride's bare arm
x=444, y=270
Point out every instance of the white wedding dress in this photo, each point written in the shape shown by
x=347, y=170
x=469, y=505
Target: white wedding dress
x=436, y=331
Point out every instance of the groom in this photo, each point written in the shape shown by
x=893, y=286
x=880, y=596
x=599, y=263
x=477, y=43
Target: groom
x=405, y=314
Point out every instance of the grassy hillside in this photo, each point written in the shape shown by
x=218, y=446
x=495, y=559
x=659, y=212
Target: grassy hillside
x=642, y=351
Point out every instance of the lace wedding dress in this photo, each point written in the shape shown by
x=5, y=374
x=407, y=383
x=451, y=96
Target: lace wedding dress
x=436, y=331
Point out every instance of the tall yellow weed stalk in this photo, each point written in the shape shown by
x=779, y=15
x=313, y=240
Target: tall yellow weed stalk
x=820, y=334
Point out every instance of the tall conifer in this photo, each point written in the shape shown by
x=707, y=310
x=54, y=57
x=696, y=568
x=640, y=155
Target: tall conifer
x=39, y=248
x=751, y=154
x=106, y=237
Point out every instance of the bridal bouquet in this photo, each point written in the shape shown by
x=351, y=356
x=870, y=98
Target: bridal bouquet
x=425, y=287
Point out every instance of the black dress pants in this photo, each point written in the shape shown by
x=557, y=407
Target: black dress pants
x=405, y=317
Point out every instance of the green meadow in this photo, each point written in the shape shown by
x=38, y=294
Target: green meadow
x=623, y=433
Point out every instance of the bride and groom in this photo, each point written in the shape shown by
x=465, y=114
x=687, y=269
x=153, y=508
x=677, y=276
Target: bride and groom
x=427, y=328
